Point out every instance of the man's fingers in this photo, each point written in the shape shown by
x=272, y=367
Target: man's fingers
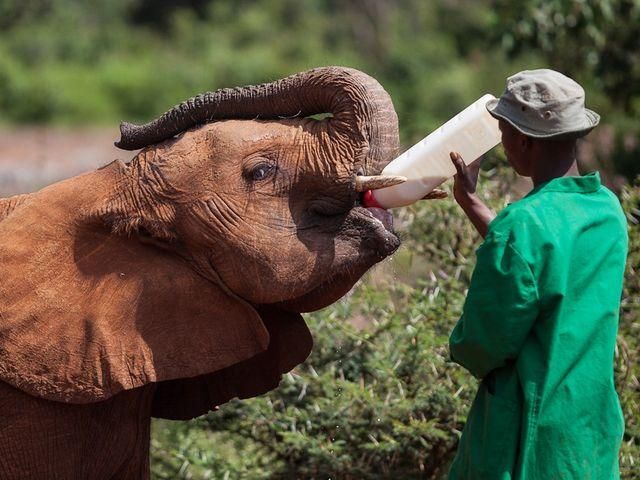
x=461, y=168
x=473, y=170
x=467, y=177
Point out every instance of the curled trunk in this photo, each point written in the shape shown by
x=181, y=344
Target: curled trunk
x=361, y=109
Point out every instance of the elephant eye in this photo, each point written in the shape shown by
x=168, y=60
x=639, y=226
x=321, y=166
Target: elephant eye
x=260, y=171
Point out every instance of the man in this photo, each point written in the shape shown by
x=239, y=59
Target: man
x=540, y=319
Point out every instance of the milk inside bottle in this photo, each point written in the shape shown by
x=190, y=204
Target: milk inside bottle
x=427, y=164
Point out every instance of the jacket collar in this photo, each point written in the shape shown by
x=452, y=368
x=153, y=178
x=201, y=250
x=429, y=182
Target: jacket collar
x=588, y=183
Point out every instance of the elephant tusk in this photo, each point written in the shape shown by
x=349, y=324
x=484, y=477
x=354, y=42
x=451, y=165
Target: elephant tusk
x=376, y=182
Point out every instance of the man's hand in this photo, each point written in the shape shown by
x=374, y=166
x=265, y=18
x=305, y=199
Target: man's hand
x=464, y=191
x=465, y=181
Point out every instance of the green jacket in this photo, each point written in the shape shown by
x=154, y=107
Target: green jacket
x=539, y=328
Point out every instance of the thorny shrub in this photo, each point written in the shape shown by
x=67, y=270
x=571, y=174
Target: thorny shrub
x=378, y=398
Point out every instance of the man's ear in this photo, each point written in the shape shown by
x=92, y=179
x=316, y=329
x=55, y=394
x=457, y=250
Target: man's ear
x=86, y=313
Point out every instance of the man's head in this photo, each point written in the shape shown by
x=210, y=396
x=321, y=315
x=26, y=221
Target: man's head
x=525, y=153
x=541, y=115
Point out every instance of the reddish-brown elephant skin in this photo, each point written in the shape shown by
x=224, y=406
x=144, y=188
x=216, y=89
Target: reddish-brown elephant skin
x=53, y=440
x=168, y=285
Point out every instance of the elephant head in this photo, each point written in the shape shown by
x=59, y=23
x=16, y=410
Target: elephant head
x=189, y=266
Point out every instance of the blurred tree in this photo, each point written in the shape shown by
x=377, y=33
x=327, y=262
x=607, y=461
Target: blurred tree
x=599, y=38
x=13, y=12
x=158, y=13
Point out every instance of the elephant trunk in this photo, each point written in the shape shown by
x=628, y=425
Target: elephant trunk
x=360, y=107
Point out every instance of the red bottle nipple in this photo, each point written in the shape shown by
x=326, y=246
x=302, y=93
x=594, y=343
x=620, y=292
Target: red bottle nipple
x=368, y=200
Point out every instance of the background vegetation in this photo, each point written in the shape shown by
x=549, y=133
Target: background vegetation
x=378, y=398
x=101, y=61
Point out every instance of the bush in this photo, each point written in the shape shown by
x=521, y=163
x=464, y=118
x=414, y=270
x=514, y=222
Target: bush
x=628, y=352
x=378, y=397
x=103, y=61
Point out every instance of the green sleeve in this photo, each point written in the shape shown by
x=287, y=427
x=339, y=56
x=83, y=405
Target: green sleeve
x=500, y=309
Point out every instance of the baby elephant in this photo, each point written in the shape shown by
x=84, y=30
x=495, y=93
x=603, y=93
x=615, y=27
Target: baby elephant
x=168, y=285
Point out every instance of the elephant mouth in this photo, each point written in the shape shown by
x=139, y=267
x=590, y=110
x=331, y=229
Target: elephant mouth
x=381, y=240
x=377, y=237
x=368, y=238
x=364, y=185
x=383, y=216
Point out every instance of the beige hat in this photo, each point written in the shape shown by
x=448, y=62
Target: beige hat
x=544, y=104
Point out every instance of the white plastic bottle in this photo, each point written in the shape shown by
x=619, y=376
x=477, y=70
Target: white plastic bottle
x=427, y=164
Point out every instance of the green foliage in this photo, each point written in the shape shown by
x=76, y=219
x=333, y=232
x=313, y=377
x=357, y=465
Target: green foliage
x=628, y=354
x=76, y=62
x=598, y=38
x=378, y=397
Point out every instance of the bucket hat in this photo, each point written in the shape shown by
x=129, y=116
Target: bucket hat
x=544, y=103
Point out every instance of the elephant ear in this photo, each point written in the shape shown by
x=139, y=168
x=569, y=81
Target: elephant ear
x=85, y=314
x=290, y=345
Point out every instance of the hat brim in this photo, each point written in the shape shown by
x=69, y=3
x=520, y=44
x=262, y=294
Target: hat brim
x=590, y=121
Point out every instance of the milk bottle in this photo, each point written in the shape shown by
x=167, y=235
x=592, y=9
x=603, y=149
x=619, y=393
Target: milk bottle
x=427, y=164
